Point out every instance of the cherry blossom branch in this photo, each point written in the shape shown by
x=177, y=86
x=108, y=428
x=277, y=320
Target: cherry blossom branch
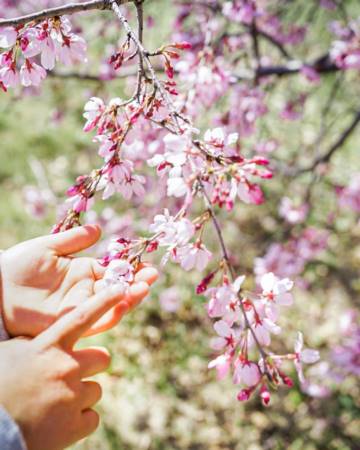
x=70, y=8
x=226, y=258
x=145, y=57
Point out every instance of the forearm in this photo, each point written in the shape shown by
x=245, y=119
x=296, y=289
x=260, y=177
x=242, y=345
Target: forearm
x=10, y=434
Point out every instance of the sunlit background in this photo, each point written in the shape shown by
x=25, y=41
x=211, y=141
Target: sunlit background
x=158, y=393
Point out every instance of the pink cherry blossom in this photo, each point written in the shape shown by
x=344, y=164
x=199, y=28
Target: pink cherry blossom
x=194, y=256
x=175, y=154
x=291, y=213
x=8, y=36
x=48, y=53
x=276, y=290
x=217, y=138
x=307, y=356
x=116, y=176
x=176, y=185
x=72, y=49
x=246, y=372
x=9, y=76
x=224, y=302
x=262, y=334
x=81, y=203
x=227, y=336
x=170, y=299
x=134, y=185
x=172, y=232
x=120, y=272
x=31, y=74
x=94, y=109
x=222, y=365
x=250, y=193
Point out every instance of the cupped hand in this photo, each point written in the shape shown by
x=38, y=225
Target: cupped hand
x=42, y=279
x=43, y=381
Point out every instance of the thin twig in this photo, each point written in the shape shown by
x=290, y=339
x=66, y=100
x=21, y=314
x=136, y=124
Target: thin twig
x=146, y=59
x=230, y=267
x=70, y=8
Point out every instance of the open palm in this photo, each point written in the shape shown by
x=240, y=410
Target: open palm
x=41, y=280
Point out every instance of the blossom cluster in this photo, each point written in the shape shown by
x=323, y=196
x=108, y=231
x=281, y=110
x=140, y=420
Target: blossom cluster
x=247, y=11
x=33, y=49
x=345, y=51
x=239, y=333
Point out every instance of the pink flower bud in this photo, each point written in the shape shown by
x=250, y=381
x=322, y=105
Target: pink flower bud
x=73, y=190
x=152, y=247
x=182, y=45
x=245, y=394
x=203, y=285
x=265, y=395
x=169, y=70
x=260, y=160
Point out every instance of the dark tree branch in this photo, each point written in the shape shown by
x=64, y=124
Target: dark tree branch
x=322, y=65
x=70, y=8
x=274, y=42
x=338, y=144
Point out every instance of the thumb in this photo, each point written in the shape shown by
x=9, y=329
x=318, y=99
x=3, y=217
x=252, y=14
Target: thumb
x=74, y=240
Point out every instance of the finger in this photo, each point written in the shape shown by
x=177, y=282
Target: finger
x=136, y=294
x=74, y=240
x=91, y=394
x=89, y=421
x=92, y=360
x=109, y=320
x=79, y=293
x=98, y=269
x=147, y=274
x=99, y=285
x=70, y=327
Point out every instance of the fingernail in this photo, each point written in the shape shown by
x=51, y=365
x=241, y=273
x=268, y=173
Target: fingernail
x=140, y=288
x=146, y=274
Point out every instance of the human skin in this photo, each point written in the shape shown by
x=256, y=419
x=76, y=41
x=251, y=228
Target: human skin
x=41, y=279
x=42, y=379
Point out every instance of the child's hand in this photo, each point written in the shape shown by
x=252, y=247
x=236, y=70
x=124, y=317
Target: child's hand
x=41, y=380
x=41, y=280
